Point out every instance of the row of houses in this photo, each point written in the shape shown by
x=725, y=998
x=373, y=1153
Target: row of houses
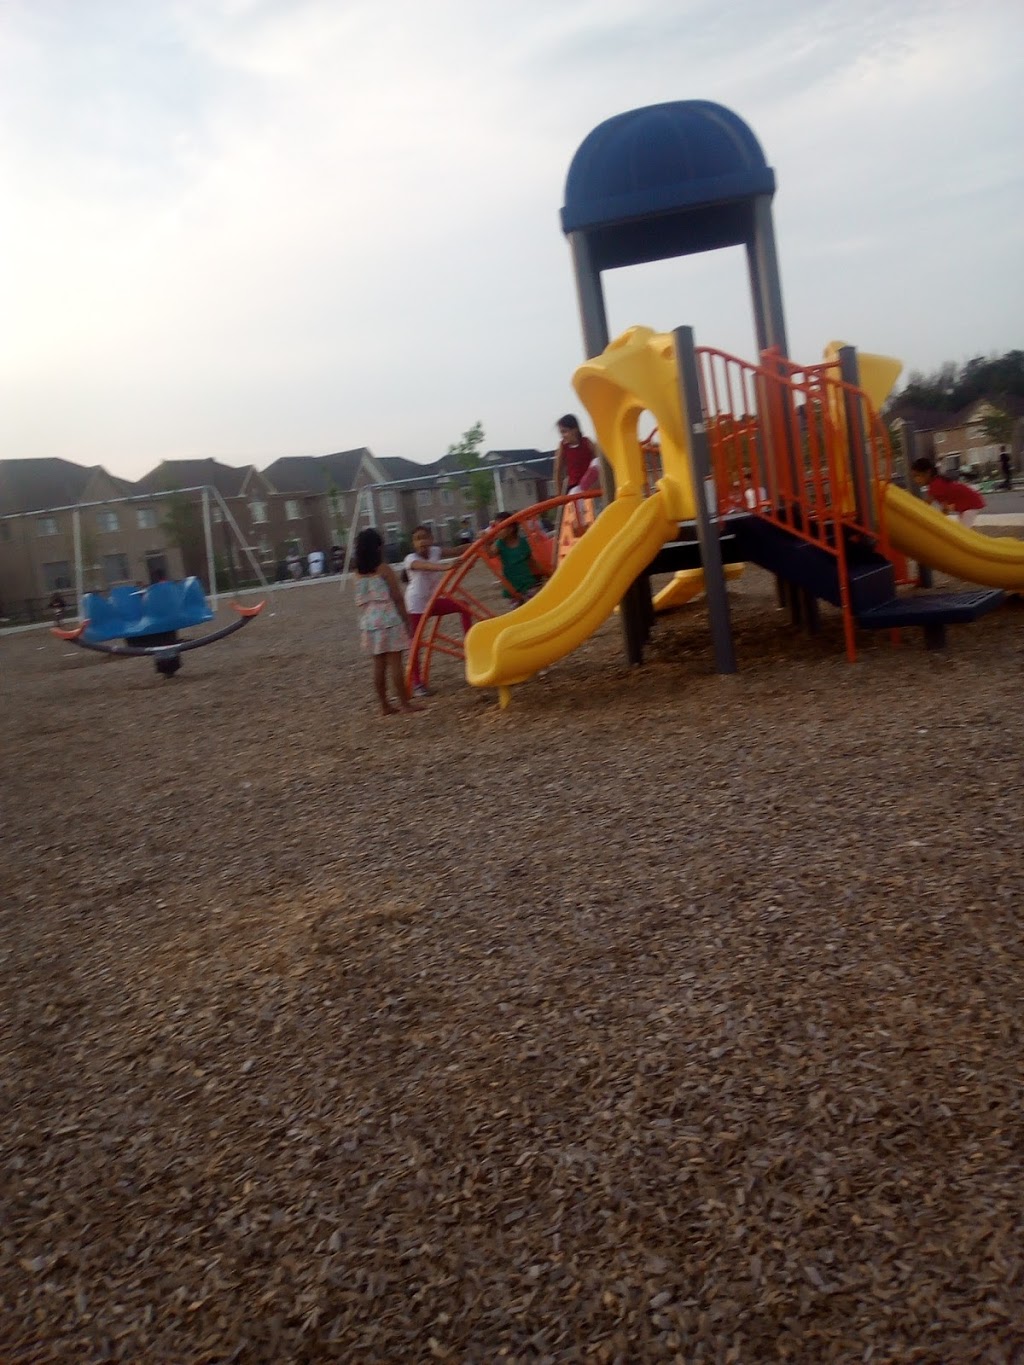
x=961, y=442
x=55, y=514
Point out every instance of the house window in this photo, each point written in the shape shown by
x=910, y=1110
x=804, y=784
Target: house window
x=424, y=497
x=258, y=512
x=57, y=575
x=388, y=502
x=447, y=497
x=146, y=518
x=115, y=569
x=218, y=515
x=940, y=438
x=46, y=526
x=107, y=521
x=392, y=535
x=292, y=510
x=266, y=551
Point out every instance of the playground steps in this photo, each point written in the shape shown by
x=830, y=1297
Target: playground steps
x=872, y=581
x=933, y=609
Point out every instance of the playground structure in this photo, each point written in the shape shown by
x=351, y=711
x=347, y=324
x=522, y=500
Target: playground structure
x=148, y=621
x=775, y=463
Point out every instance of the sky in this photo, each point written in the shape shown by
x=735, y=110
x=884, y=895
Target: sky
x=255, y=228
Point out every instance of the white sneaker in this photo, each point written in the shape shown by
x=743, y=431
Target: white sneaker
x=419, y=691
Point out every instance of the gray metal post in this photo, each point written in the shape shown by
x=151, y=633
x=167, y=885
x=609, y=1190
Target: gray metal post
x=499, y=500
x=76, y=525
x=857, y=446
x=706, y=501
x=765, y=280
x=211, y=565
x=590, y=296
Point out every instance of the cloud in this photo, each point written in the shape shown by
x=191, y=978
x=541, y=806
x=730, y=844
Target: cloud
x=262, y=227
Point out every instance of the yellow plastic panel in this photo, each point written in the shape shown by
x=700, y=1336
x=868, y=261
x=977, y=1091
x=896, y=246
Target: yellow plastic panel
x=589, y=584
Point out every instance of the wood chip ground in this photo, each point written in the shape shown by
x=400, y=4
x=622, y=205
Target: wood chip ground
x=659, y=1017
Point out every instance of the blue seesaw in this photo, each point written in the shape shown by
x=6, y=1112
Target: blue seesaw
x=147, y=621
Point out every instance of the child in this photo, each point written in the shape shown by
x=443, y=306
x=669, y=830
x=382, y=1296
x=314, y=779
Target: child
x=422, y=568
x=950, y=494
x=577, y=463
x=521, y=572
x=383, y=619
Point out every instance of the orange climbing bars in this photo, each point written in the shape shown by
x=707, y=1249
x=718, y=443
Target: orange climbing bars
x=430, y=636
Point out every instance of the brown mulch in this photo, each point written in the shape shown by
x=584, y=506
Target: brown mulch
x=659, y=1017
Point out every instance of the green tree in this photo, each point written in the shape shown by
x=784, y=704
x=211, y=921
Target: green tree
x=336, y=505
x=479, y=480
x=953, y=386
x=183, y=528
x=998, y=427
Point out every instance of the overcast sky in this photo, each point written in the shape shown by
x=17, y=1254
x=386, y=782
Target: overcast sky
x=254, y=228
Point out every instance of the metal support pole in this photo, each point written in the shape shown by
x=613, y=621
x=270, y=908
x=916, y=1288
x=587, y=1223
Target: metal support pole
x=76, y=527
x=765, y=280
x=229, y=518
x=211, y=565
x=856, y=443
x=706, y=500
x=499, y=503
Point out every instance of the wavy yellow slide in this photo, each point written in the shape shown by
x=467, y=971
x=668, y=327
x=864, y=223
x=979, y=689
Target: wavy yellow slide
x=922, y=532
x=586, y=588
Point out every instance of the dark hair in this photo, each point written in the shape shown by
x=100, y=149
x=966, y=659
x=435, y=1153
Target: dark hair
x=568, y=421
x=923, y=465
x=369, y=550
x=421, y=527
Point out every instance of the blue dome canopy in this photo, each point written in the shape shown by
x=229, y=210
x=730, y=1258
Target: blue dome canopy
x=667, y=180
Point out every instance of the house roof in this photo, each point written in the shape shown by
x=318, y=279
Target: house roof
x=172, y=474
x=316, y=473
x=399, y=468
x=33, y=485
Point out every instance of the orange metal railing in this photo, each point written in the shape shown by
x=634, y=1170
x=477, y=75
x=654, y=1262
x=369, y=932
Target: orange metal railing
x=430, y=636
x=782, y=440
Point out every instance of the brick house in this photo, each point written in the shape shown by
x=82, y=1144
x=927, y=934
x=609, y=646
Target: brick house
x=48, y=504
x=957, y=440
x=313, y=497
x=230, y=483
x=438, y=495
x=961, y=443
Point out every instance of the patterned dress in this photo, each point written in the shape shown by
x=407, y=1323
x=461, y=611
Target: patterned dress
x=383, y=629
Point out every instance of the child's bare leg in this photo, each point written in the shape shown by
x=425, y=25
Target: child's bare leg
x=380, y=682
x=398, y=682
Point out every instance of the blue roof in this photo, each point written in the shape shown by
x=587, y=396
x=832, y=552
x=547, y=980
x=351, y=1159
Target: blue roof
x=666, y=180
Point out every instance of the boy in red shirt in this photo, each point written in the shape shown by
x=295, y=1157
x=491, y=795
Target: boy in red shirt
x=950, y=494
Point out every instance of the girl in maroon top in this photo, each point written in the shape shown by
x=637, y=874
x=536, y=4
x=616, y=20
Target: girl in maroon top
x=949, y=494
x=577, y=463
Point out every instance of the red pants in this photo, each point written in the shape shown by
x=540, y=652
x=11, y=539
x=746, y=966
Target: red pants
x=443, y=606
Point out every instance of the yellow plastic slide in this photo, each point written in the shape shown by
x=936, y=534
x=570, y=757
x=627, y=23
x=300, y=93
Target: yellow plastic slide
x=922, y=532
x=588, y=586
x=686, y=585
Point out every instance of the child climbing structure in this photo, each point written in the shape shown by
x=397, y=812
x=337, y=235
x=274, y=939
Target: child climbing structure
x=818, y=504
x=802, y=447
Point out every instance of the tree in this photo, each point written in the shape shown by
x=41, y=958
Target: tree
x=335, y=503
x=479, y=482
x=998, y=426
x=953, y=386
x=182, y=526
